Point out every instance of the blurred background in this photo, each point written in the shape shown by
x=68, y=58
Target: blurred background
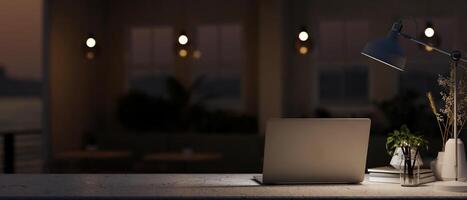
x=157, y=86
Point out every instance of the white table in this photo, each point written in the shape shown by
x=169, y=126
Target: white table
x=178, y=186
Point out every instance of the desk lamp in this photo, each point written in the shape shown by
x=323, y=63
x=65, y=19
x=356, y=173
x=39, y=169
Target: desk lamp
x=387, y=51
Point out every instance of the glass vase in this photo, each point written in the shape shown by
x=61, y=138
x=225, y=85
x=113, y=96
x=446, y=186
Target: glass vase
x=409, y=177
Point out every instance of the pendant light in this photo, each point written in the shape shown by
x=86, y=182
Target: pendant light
x=430, y=36
x=90, y=47
x=183, y=39
x=429, y=31
x=183, y=42
x=303, y=41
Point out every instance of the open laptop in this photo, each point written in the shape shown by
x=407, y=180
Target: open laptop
x=312, y=150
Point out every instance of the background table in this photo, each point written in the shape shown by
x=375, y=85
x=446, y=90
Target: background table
x=92, y=161
x=183, y=157
x=93, y=154
x=184, y=162
x=184, y=186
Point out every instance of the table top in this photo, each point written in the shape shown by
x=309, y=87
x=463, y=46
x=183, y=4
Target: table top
x=182, y=157
x=93, y=154
x=153, y=186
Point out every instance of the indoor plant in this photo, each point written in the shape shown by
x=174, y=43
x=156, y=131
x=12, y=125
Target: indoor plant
x=445, y=115
x=405, y=147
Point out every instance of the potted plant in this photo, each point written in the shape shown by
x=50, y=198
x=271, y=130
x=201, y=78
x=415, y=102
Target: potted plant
x=445, y=117
x=405, y=147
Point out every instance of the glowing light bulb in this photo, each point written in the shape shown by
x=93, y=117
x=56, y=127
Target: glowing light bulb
x=303, y=36
x=182, y=53
x=182, y=39
x=197, y=54
x=303, y=50
x=90, y=55
x=427, y=48
x=90, y=42
x=429, y=32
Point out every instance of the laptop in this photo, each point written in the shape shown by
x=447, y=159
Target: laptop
x=314, y=150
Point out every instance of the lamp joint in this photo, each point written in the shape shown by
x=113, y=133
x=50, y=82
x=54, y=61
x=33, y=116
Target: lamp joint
x=456, y=55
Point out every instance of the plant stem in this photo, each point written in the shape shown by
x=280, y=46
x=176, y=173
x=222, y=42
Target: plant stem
x=414, y=160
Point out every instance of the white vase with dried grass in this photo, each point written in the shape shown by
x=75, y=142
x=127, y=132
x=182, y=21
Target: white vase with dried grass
x=444, y=168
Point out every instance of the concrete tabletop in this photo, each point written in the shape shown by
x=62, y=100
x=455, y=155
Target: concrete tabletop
x=180, y=186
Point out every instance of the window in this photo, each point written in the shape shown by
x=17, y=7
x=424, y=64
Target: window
x=21, y=102
x=151, y=59
x=342, y=71
x=344, y=85
x=220, y=65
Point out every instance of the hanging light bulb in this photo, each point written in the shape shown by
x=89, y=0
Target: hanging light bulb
x=183, y=39
x=429, y=36
x=182, y=45
x=303, y=36
x=429, y=31
x=91, y=42
x=303, y=42
x=90, y=47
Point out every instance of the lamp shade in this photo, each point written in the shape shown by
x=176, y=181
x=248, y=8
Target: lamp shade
x=387, y=51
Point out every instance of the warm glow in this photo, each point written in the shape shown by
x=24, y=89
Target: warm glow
x=303, y=36
x=429, y=32
x=427, y=48
x=197, y=54
x=90, y=55
x=303, y=50
x=182, y=39
x=91, y=42
x=183, y=53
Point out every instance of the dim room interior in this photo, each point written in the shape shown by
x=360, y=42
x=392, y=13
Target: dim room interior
x=179, y=98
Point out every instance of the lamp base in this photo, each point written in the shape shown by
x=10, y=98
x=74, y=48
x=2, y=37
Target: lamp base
x=451, y=186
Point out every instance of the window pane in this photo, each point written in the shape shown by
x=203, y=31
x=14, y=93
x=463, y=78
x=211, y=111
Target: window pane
x=140, y=46
x=220, y=65
x=231, y=52
x=163, y=49
x=356, y=36
x=331, y=82
x=343, y=78
x=208, y=46
x=331, y=41
x=356, y=84
x=152, y=58
x=21, y=76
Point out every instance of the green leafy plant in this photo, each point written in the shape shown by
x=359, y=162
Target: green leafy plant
x=404, y=137
x=407, y=141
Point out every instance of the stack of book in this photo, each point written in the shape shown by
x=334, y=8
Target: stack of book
x=391, y=175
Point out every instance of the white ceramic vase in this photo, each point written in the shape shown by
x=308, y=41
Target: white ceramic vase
x=437, y=165
x=448, y=171
x=398, y=158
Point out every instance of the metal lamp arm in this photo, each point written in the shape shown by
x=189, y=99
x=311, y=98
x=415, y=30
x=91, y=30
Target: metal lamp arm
x=450, y=54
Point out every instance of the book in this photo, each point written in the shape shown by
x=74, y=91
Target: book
x=388, y=174
x=392, y=170
x=398, y=180
x=391, y=175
